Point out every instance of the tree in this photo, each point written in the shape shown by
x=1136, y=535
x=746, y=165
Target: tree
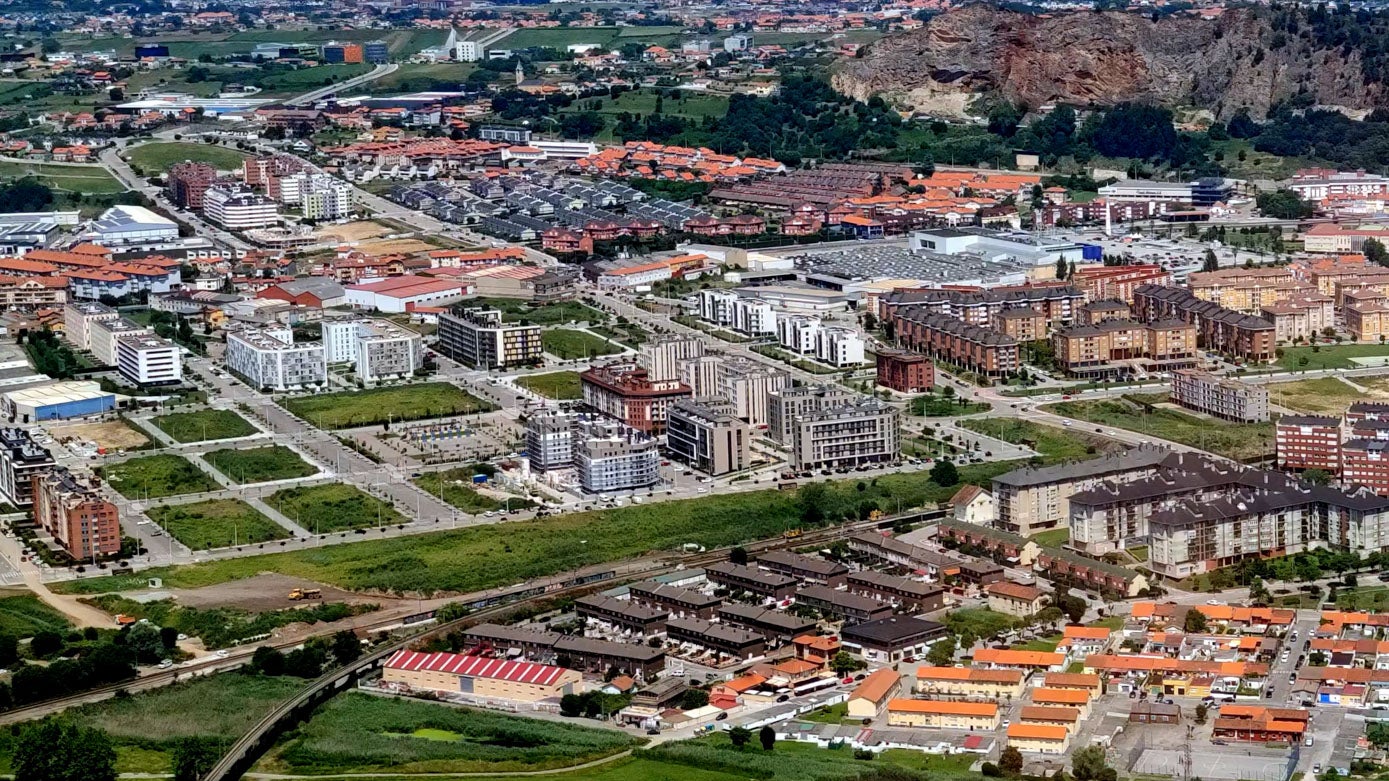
x=52, y=751
x=767, y=736
x=1316, y=477
x=1195, y=622
x=738, y=555
x=571, y=705
x=942, y=652
x=694, y=698
x=1010, y=761
x=1004, y=119
x=813, y=497
x=945, y=474
x=143, y=640
x=168, y=637
x=193, y=757
x=843, y=664
x=9, y=650
x=739, y=736
x=1375, y=252
x=1061, y=268
x=346, y=647
x=268, y=661
x=1211, y=262
x=1258, y=592
x=1283, y=205
x=1201, y=711
x=1073, y=606
x=45, y=644
x=1088, y=764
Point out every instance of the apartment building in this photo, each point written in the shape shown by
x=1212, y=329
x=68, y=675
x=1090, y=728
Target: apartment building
x=970, y=682
x=1097, y=312
x=1308, y=442
x=103, y=335
x=1218, y=329
x=708, y=435
x=625, y=391
x=610, y=456
x=1366, y=462
x=1301, y=316
x=730, y=310
x=905, y=372
x=187, y=182
x=1117, y=283
x=1368, y=320
x=1191, y=537
x=1057, y=301
x=1023, y=324
x=550, y=440
x=798, y=333
x=910, y=595
x=78, y=318
x=375, y=349
x=943, y=714
x=662, y=356
x=20, y=460
x=1247, y=290
x=269, y=358
x=1118, y=347
x=862, y=432
x=787, y=405
x=238, y=207
x=971, y=347
x=1032, y=500
x=319, y=196
x=72, y=511
x=1219, y=397
x=479, y=339
x=149, y=360
x=702, y=374
x=839, y=347
x=749, y=385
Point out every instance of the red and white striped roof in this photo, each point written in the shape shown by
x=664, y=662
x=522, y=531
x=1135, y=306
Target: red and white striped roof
x=476, y=667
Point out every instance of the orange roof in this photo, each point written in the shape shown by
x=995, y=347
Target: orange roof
x=1045, y=713
x=1036, y=732
x=1005, y=588
x=1010, y=657
x=943, y=707
x=970, y=674
x=1072, y=681
x=1143, y=609
x=818, y=642
x=877, y=685
x=1063, y=696
x=1076, y=632
x=1130, y=663
x=795, y=667
x=744, y=683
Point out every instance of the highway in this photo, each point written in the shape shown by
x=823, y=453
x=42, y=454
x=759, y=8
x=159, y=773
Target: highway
x=343, y=86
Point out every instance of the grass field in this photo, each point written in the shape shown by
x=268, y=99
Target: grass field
x=455, y=487
x=559, y=313
x=794, y=762
x=555, y=385
x=1054, y=538
x=204, y=425
x=362, y=733
x=1324, y=396
x=934, y=406
x=380, y=405
x=980, y=622
x=692, y=105
x=157, y=158
x=321, y=509
x=1329, y=356
x=415, y=76
x=259, y=464
x=155, y=476
x=144, y=727
x=1371, y=598
x=216, y=523
x=1233, y=440
x=91, y=179
x=22, y=615
x=568, y=344
x=1056, y=444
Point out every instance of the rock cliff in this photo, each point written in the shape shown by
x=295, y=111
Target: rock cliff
x=1101, y=58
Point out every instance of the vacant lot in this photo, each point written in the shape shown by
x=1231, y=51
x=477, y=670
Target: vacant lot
x=150, y=477
x=204, y=425
x=1233, y=440
x=555, y=385
x=112, y=434
x=361, y=733
x=92, y=179
x=1054, y=538
x=455, y=486
x=568, y=344
x=1057, y=444
x=22, y=615
x=1332, y=356
x=934, y=406
x=559, y=313
x=259, y=464
x=380, y=405
x=157, y=158
x=1325, y=396
x=321, y=509
x=216, y=523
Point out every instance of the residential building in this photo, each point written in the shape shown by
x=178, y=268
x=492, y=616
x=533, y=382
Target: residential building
x=478, y=338
x=375, y=349
x=1115, y=347
x=707, y=435
x=104, y=334
x=778, y=626
x=550, y=440
x=1257, y=724
x=971, y=347
x=1052, y=716
x=741, y=577
x=1308, y=442
x=626, y=392
x=861, y=432
x=1218, y=328
x=1039, y=738
x=1032, y=500
x=836, y=604
x=1227, y=399
x=632, y=618
x=980, y=306
x=974, y=505
x=799, y=333
x=748, y=384
x=20, y=460
x=1300, y=317
x=891, y=639
x=611, y=456
x=663, y=355
x=187, y=182
x=238, y=207
x=1023, y=324
x=679, y=602
x=720, y=638
x=1248, y=290
x=149, y=360
x=1366, y=462
x=1099, y=311
x=785, y=407
x=78, y=318
x=72, y=511
x=839, y=347
x=269, y=358
x=904, y=371
x=730, y=310
x=900, y=592
x=807, y=569
x=970, y=682
x=870, y=697
x=1014, y=599
x=943, y=714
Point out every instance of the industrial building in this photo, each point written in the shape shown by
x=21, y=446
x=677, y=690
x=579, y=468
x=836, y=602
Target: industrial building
x=69, y=399
x=478, y=339
x=480, y=676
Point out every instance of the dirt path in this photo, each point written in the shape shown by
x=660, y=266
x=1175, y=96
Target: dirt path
x=505, y=774
x=81, y=615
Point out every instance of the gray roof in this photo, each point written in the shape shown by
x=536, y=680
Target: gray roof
x=323, y=287
x=897, y=629
x=1129, y=460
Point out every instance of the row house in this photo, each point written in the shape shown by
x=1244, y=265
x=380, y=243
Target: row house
x=971, y=347
x=1057, y=301
x=1219, y=329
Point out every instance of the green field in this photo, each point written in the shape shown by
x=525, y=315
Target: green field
x=693, y=105
x=23, y=614
x=204, y=425
x=980, y=622
x=1324, y=396
x=1369, y=598
x=455, y=486
x=158, y=158
x=259, y=464
x=1054, y=538
x=934, y=406
x=150, y=477
x=216, y=523
x=555, y=385
x=190, y=45
x=1330, y=356
x=558, y=313
x=1056, y=444
x=1232, y=440
x=417, y=77
x=321, y=509
x=362, y=733
x=144, y=727
x=382, y=405
x=90, y=179
x=568, y=344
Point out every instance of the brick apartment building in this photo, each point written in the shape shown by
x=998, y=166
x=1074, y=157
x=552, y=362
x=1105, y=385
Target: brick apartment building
x=72, y=510
x=905, y=372
x=1115, y=347
x=1217, y=328
x=626, y=392
x=187, y=182
x=1102, y=283
x=971, y=347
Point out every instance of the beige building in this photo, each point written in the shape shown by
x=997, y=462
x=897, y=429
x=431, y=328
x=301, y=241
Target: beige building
x=78, y=318
x=480, y=677
x=1301, y=316
x=1110, y=346
x=663, y=356
x=1369, y=321
x=787, y=405
x=1227, y=399
x=969, y=682
x=1024, y=324
x=708, y=435
x=1047, y=697
x=1015, y=599
x=1052, y=716
x=1039, y=738
x=1247, y=290
x=974, y=505
x=1032, y=500
x=866, y=431
x=873, y=694
x=942, y=714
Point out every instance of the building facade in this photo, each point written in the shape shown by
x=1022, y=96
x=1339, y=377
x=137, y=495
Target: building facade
x=73, y=512
x=1227, y=399
x=269, y=358
x=709, y=436
x=478, y=338
x=862, y=432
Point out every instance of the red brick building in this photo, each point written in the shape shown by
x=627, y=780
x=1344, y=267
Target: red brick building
x=187, y=182
x=970, y=347
x=627, y=393
x=1218, y=329
x=905, y=372
x=1366, y=462
x=74, y=513
x=1308, y=442
x=1118, y=282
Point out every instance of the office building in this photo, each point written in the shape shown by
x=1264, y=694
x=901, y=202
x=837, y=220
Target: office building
x=663, y=355
x=785, y=406
x=625, y=391
x=1227, y=399
x=375, y=349
x=188, y=182
x=376, y=52
x=861, y=432
x=72, y=511
x=149, y=360
x=20, y=459
x=103, y=335
x=478, y=338
x=78, y=318
x=708, y=435
x=269, y=358
x=610, y=456
x=905, y=372
x=238, y=207
x=336, y=52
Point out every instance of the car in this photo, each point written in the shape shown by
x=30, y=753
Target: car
x=1214, y=602
x=721, y=716
x=166, y=664
x=1220, y=742
x=1006, y=722
x=222, y=653
x=1307, y=741
x=783, y=698
x=653, y=731
x=1066, y=423
x=1316, y=769
x=1268, y=694
x=1292, y=677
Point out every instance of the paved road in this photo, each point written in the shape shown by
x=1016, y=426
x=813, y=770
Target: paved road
x=332, y=89
x=111, y=158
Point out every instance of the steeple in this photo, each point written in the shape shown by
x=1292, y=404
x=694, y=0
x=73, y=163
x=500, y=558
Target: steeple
x=520, y=73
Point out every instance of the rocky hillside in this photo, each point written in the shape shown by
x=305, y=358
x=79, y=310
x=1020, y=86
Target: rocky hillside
x=1088, y=58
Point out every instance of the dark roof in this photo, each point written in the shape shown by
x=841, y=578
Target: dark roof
x=796, y=561
x=893, y=631
x=1308, y=420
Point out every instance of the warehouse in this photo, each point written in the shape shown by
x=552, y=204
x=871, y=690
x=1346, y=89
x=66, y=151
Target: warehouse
x=58, y=400
x=480, y=676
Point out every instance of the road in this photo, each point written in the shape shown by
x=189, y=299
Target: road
x=111, y=158
x=343, y=86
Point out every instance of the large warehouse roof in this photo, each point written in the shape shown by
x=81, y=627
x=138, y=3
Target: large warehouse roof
x=476, y=667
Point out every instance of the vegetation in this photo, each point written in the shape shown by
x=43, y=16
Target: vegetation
x=716, y=757
x=568, y=344
x=1314, y=357
x=259, y=464
x=51, y=356
x=24, y=615
x=53, y=751
x=216, y=523
x=559, y=313
x=204, y=425
x=455, y=486
x=1233, y=440
x=978, y=623
x=322, y=509
x=385, y=405
x=150, y=477
x=933, y=406
x=1323, y=396
x=555, y=385
x=158, y=158
x=1056, y=444
x=222, y=627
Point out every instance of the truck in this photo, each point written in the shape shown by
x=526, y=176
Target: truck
x=305, y=593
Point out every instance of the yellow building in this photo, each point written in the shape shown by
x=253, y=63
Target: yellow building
x=867, y=701
x=942, y=714
x=1063, y=698
x=1015, y=599
x=480, y=676
x=1050, y=716
x=969, y=682
x=1039, y=738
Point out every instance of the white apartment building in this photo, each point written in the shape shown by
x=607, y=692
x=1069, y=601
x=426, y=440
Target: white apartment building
x=102, y=336
x=149, y=360
x=376, y=349
x=318, y=196
x=839, y=346
x=716, y=306
x=238, y=207
x=610, y=456
x=550, y=440
x=78, y=318
x=469, y=51
x=799, y=333
x=269, y=358
x=754, y=318
x=662, y=356
x=749, y=386
x=702, y=374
